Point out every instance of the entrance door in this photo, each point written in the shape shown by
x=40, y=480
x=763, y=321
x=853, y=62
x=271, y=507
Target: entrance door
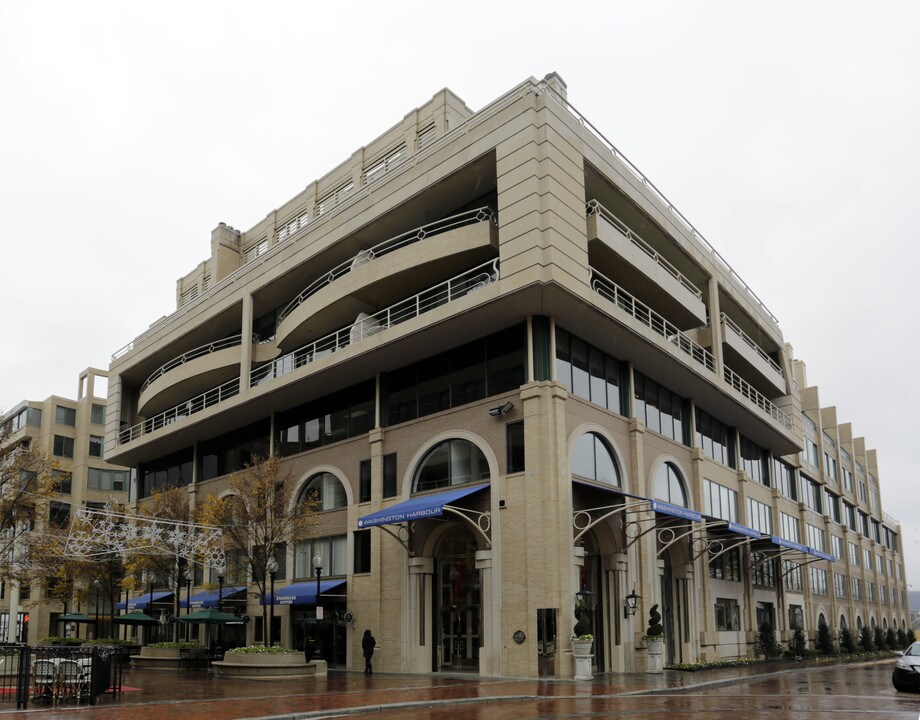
x=459, y=604
x=667, y=612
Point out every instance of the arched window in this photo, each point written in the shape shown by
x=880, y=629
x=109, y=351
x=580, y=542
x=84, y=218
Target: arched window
x=821, y=619
x=452, y=462
x=843, y=622
x=326, y=490
x=669, y=486
x=884, y=623
x=858, y=623
x=593, y=460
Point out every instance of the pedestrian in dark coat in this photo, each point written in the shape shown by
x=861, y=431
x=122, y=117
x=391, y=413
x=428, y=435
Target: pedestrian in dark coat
x=367, y=646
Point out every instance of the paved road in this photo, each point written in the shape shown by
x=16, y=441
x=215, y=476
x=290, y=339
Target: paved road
x=860, y=692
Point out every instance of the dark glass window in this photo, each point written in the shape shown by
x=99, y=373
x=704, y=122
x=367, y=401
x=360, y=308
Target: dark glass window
x=452, y=462
x=715, y=438
x=63, y=481
x=63, y=446
x=328, y=419
x=471, y=372
x=65, y=415
x=588, y=372
x=364, y=481
x=59, y=514
x=362, y=562
x=172, y=470
x=593, y=460
x=514, y=435
x=95, y=446
x=726, y=566
x=233, y=451
x=784, y=477
x=97, y=415
x=326, y=490
x=660, y=409
x=754, y=461
x=389, y=476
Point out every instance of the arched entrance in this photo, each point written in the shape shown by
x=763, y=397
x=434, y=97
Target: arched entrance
x=457, y=603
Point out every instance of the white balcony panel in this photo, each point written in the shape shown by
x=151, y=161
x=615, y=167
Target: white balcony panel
x=650, y=268
x=745, y=351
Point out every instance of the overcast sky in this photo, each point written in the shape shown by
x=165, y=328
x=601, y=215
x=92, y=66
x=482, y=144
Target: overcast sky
x=787, y=132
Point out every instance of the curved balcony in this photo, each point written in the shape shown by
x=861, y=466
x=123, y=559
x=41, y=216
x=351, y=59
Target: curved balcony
x=366, y=326
x=355, y=285
x=190, y=373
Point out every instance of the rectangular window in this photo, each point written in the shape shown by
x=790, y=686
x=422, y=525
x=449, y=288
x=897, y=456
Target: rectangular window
x=840, y=586
x=854, y=554
x=867, y=559
x=95, y=446
x=811, y=494
x=58, y=514
x=784, y=476
x=65, y=416
x=514, y=434
x=792, y=576
x=833, y=506
x=811, y=453
x=850, y=516
x=760, y=516
x=389, y=475
x=715, y=438
x=754, y=461
x=362, y=540
x=63, y=481
x=721, y=502
x=112, y=480
x=364, y=481
x=63, y=446
x=814, y=537
x=847, y=478
x=796, y=618
x=97, y=415
x=588, y=372
x=837, y=547
x=660, y=409
x=728, y=615
x=762, y=570
x=726, y=566
x=790, y=527
x=331, y=549
x=857, y=589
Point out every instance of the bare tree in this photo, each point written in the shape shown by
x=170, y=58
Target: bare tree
x=259, y=515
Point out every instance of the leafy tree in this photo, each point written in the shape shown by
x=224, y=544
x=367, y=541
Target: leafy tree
x=258, y=516
x=910, y=636
x=824, y=642
x=902, y=639
x=891, y=642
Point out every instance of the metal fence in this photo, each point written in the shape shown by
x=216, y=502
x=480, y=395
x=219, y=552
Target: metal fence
x=59, y=675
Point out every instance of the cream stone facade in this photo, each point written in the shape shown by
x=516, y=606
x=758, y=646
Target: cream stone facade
x=514, y=372
x=70, y=434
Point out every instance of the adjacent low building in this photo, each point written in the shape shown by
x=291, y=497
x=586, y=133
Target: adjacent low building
x=70, y=435
x=513, y=372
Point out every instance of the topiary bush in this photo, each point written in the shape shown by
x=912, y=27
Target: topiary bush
x=847, y=641
x=865, y=639
x=766, y=640
x=878, y=638
x=902, y=639
x=582, y=629
x=798, y=645
x=655, y=630
x=891, y=642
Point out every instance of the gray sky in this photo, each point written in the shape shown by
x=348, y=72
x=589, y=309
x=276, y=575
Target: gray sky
x=787, y=132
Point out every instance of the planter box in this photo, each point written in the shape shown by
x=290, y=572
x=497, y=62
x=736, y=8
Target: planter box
x=256, y=666
x=157, y=659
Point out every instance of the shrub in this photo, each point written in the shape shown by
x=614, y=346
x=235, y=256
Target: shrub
x=110, y=641
x=891, y=642
x=655, y=630
x=824, y=642
x=847, y=641
x=261, y=650
x=902, y=639
x=865, y=639
x=582, y=629
x=766, y=641
x=878, y=638
x=911, y=636
x=171, y=644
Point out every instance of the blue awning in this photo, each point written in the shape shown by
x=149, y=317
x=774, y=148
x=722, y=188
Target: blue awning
x=659, y=506
x=302, y=593
x=821, y=554
x=422, y=506
x=142, y=601
x=739, y=529
x=208, y=598
x=788, y=544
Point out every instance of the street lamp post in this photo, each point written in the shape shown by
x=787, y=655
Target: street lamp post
x=318, y=567
x=272, y=567
x=188, y=598
x=149, y=610
x=96, y=585
x=221, y=573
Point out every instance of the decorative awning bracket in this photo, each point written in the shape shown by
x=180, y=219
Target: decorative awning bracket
x=584, y=520
x=481, y=525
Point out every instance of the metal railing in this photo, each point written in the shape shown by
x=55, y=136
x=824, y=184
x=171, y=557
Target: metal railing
x=744, y=387
x=394, y=243
x=595, y=208
x=233, y=341
x=754, y=346
x=183, y=410
x=651, y=319
x=440, y=294
x=656, y=192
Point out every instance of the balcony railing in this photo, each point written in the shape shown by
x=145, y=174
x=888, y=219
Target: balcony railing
x=440, y=294
x=656, y=192
x=387, y=246
x=595, y=208
x=754, y=346
x=651, y=319
x=755, y=397
x=233, y=341
x=183, y=410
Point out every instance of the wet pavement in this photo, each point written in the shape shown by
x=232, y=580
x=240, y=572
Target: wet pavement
x=785, y=691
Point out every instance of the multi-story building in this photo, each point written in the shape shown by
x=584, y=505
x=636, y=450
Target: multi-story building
x=70, y=436
x=513, y=372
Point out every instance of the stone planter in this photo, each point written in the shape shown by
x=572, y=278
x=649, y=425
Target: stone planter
x=584, y=659
x=266, y=666
x=157, y=659
x=655, y=650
